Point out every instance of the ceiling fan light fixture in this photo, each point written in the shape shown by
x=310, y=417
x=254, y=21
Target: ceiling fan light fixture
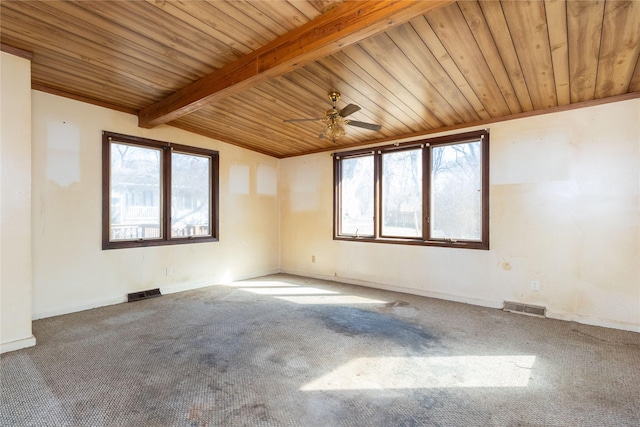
x=334, y=127
x=333, y=131
x=335, y=122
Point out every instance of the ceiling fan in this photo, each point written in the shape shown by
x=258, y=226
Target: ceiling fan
x=335, y=122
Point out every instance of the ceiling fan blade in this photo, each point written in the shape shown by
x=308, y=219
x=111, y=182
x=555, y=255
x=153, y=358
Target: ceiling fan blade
x=300, y=120
x=364, y=125
x=349, y=109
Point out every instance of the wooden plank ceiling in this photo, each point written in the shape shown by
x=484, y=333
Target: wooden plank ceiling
x=234, y=70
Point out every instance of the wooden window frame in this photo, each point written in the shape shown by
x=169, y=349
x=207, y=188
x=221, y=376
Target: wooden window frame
x=425, y=144
x=165, y=190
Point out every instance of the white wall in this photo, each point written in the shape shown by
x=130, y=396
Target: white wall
x=15, y=203
x=565, y=211
x=70, y=270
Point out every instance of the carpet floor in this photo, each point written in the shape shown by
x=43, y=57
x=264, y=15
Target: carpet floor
x=283, y=350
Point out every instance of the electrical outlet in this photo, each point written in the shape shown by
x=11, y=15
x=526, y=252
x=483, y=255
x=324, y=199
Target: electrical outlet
x=169, y=271
x=313, y=259
x=535, y=285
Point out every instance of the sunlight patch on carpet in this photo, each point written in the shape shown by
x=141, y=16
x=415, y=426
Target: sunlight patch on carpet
x=289, y=291
x=366, y=373
x=330, y=299
x=305, y=295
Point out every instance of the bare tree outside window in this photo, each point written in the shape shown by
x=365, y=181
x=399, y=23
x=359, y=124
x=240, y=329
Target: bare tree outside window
x=135, y=192
x=157, y=193
x=357, y=196
x=190, y=190
x=432, y=192
x=456, y=192
x=402, y=193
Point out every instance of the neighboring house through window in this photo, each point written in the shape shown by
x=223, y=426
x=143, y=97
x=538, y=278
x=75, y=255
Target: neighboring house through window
x=157, y=193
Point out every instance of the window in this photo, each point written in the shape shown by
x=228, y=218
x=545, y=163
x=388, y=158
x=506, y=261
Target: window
x=430, y=192
x=356, y=197
x=157, y=193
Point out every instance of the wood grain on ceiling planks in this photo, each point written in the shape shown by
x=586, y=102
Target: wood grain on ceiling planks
x=462, y=63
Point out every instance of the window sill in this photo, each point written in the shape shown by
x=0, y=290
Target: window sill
x=159, y=242
x=417, y=242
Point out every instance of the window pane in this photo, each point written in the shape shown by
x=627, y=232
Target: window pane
x=357, y=196
x=456, y=192
x=135, y=193
x=402, y=194
x=190, y=195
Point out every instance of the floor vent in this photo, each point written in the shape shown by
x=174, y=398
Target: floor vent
x=137, y=296
x=532, y=310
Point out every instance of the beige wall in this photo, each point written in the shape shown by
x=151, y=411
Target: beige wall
x=15, y=203
x=565, y=211
x=70, y=270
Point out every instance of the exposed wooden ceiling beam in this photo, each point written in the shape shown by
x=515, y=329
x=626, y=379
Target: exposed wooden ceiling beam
x=342, y=26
